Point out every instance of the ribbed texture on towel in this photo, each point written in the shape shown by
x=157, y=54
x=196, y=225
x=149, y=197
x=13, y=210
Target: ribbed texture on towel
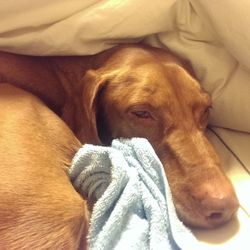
x=134, y=208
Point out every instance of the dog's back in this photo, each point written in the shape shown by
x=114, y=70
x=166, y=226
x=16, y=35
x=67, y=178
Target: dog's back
x=39, y=208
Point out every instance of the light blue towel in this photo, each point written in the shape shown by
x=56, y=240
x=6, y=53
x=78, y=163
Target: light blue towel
x=134, y=208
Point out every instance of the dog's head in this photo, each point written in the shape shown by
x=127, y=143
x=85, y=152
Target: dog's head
x=144, y=92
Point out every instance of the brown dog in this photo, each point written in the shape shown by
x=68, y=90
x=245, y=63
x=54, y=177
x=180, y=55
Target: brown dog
x=127, y=91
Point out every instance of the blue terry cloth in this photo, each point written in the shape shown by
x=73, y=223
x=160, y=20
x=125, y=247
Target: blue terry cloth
x=134, y=208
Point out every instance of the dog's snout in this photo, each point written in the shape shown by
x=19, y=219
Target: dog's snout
x=220, y=209
x=217, y=202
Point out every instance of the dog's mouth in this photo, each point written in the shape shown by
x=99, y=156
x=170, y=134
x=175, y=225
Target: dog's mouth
x=206, y=209
x=198, y=219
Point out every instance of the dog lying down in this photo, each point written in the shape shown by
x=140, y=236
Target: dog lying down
x=127, y=91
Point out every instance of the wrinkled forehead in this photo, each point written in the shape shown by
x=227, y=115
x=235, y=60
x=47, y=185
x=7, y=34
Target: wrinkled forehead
x=138, y=83
x=158, y=82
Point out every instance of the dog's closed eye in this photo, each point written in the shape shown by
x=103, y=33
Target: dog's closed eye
x=142, y=114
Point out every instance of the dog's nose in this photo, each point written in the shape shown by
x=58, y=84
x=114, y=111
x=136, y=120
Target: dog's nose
x=217, y=203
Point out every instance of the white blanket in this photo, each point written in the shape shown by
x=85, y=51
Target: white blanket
x=213, y=35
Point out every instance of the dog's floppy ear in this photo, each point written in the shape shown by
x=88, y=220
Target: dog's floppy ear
x=93, y=83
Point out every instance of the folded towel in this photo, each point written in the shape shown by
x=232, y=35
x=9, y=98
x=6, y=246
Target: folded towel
x=134, y=208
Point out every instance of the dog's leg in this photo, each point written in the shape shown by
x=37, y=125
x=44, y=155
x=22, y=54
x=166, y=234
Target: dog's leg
x=39, y=208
